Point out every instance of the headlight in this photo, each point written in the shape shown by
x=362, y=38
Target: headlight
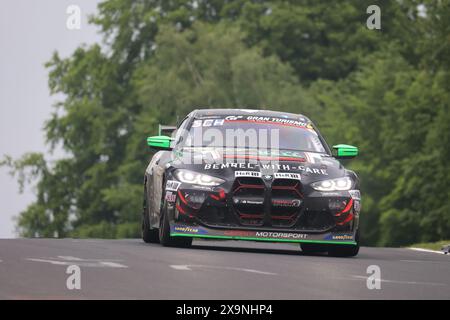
x=192, y=177
x=339, y=184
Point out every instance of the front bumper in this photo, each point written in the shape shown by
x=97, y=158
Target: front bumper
x=178, y=229
x=278, y=211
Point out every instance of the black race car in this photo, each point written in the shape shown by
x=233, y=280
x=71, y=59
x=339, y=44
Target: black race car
x=251, y=175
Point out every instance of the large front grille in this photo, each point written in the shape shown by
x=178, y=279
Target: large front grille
x=247, y=197
x=286, y=200
x=249, y=200
x=276, y=205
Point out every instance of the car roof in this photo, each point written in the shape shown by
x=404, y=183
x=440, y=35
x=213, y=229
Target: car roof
x=204, y=113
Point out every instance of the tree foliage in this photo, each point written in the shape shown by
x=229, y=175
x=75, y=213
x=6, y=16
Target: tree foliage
x=383, y=90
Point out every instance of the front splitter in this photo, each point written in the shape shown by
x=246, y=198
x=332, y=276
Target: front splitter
x=195, y=231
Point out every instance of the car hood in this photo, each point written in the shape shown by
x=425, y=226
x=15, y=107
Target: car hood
x=224, y=163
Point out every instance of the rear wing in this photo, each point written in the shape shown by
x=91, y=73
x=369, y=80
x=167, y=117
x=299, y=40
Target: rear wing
x=164, y=130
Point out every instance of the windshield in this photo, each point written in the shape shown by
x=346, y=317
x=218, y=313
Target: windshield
x=254, y=132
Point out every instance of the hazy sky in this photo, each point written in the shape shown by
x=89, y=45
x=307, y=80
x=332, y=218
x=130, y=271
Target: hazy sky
x=29, y=33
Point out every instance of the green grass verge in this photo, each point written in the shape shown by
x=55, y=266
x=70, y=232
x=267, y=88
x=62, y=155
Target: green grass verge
x=431, y=245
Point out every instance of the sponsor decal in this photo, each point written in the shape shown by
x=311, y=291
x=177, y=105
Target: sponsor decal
x=238, y=233
x=264, y=152
x=172, y=185
x=171, y=197
x=355, y=194
x=233, y=118
x=241, y=165
x=197, y=123
x=285, y=153
x=223, y=155
x=281, y=235
x=187, y=229
x=268, y=166
x=309, y=170
x=286, y=203
x=219, y=151
x=268, y=235
x=208, y=123
x=282, y=121
x=253, y=174
x=247, y=201
x=287, y=175
x=344, y=236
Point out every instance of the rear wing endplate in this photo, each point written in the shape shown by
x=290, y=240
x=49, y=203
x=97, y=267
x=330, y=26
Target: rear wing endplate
x=164, y=130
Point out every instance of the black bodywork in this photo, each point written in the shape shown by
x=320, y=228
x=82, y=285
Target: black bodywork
x=275, y=203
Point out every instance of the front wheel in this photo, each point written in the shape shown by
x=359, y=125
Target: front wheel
x=344, y=250
x=164, y=232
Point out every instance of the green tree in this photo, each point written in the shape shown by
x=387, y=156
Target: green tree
x=384, y=90
x=97, y=192
x=395, y=107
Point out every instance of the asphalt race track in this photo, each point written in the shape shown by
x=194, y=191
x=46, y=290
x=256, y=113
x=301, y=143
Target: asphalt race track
x=131, y=269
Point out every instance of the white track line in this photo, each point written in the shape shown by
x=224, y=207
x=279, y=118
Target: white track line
x=70, y=258
x=426, y=250
x=187, y=267
x=403, y=282
x=105, y=264
x=113, y=264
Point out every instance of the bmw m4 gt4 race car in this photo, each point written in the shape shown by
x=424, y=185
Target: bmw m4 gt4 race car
x=251, y=175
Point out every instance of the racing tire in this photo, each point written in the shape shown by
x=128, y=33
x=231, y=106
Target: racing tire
x=164, y=232
x=311, y=248
x=345, y=250
x=149, y=235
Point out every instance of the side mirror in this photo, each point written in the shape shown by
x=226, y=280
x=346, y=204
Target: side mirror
x=159, y=142
x=345, y=151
